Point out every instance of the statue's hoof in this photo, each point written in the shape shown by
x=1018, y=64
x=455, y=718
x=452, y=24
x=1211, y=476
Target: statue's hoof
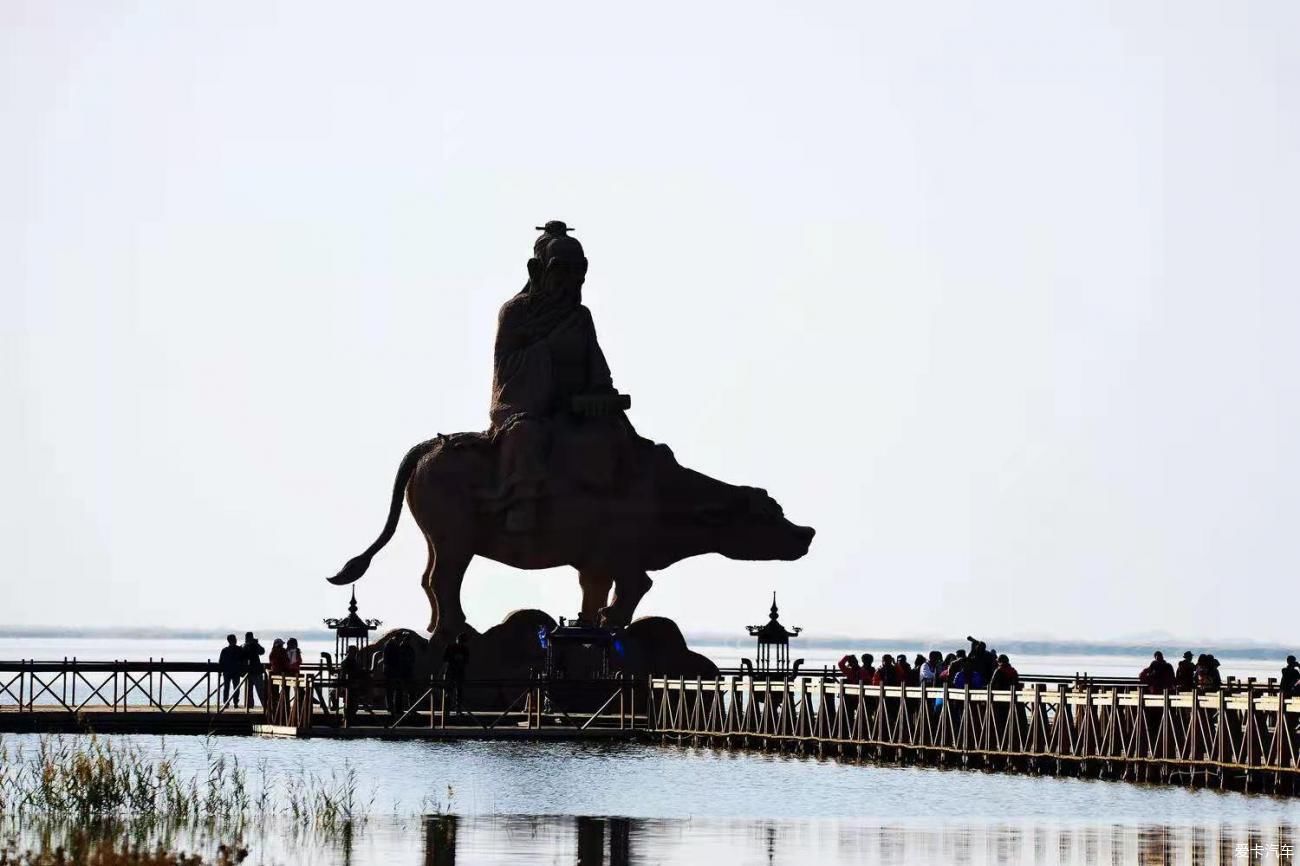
x=611, y=618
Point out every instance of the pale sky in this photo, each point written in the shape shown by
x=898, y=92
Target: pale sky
x=1001, y=298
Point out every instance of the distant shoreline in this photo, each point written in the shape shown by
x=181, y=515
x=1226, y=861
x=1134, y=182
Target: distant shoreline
x=1172, y=647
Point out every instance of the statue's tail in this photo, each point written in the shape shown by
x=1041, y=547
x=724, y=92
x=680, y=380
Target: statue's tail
x=357, y=565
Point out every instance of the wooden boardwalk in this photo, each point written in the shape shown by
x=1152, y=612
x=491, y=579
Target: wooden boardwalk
x=1244, y=740
x=163, y=697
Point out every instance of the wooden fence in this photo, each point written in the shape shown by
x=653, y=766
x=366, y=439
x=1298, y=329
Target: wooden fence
x=1245, y=739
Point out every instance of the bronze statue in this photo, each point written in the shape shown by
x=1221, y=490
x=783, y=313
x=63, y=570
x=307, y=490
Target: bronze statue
x=561, y=477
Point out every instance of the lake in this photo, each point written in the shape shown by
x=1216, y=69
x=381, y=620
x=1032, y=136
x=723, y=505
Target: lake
x=510, y=802
x=495, y=802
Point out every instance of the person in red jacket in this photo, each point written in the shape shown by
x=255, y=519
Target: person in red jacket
x=887, y=674
x=279, y=658
x=849, y=668
x=902, y=670
x=868, y=669
x=1004, y=675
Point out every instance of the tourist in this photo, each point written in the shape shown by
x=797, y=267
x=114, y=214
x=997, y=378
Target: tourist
x=292, y=657
x=1185, y=676
x=279, y=658
x=1207, y=673
x=969, y=675
x=1290, y=678
x=455, y=660
x=256, y=674
x=931, y=669
x=399, y=666
x=351, y=675
x=955, y=666
x=1158, y=676
x=233, y=666
x=1004, y=675
x=887, y=673
x=868, y=669
x=1216, y=680
x=902, y=670
x=850, y=669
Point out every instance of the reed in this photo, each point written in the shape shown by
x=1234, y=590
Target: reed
x=89, y=777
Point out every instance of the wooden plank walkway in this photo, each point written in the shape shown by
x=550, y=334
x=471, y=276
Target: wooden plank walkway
x=1245, y=740
x=1247, y=737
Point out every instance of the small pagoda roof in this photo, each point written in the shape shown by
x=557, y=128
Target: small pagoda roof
x=352, y=625
x=772, y=631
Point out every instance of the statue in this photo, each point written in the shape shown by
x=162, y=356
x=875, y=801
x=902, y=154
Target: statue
x=561, y=477
x=548, y=371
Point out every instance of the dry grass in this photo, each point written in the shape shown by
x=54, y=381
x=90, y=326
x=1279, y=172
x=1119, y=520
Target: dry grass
x=85, y=778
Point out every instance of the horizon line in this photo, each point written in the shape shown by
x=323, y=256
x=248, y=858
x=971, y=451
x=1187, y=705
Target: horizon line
x=1123, y=645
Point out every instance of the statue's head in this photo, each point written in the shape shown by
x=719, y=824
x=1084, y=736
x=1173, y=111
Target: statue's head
x=747, y=523
x=558, y=265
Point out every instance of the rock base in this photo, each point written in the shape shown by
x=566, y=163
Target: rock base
x=513, y=651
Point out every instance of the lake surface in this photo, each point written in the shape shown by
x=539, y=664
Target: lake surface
x=508, y=802
x=724, y=655
x=565, y=803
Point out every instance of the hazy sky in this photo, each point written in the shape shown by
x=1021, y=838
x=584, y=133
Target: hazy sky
x=1002, y=298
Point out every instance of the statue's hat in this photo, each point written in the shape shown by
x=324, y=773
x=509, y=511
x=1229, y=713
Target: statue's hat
x=555, y=227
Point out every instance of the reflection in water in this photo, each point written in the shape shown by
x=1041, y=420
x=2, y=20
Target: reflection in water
x=440, y=841
x=448, y=840
x=589, y=841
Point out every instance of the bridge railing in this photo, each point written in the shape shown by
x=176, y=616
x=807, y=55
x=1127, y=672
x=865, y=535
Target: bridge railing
x=1127, y=729
x=159, y=685
x=500, y=704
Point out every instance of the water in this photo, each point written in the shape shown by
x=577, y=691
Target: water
x=725, y=655
x=511, y=802
x=543, y=802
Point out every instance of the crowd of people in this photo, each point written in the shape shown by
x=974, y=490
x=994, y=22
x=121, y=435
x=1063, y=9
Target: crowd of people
x=977, y=668
x=980, y=666
x=239, y=660
x=1203, y=675
x=393, y=667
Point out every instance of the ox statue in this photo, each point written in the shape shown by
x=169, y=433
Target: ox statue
x=561, y=477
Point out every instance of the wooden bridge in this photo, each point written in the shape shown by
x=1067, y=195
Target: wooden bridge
x=164, y=697
x=1243, y=739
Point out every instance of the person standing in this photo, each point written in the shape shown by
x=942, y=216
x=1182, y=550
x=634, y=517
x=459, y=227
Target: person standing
x=1004, y=675
x=454, y=662
x=351, y=676
x=931, y=668
x=256, y=675
x=1290, y=678
x=868, y=672
x=279, y=658
x=293, y=657
x=233, y=666
x=1185, y=676
x=1159, y=676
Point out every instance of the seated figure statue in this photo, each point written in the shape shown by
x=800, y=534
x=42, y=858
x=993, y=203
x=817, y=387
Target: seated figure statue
x=551, y=386
x=561, y=477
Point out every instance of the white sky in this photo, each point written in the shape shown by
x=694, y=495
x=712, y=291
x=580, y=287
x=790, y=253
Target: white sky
x=1002, y=298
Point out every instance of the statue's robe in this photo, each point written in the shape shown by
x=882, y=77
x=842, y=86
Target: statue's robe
x=546, y=353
